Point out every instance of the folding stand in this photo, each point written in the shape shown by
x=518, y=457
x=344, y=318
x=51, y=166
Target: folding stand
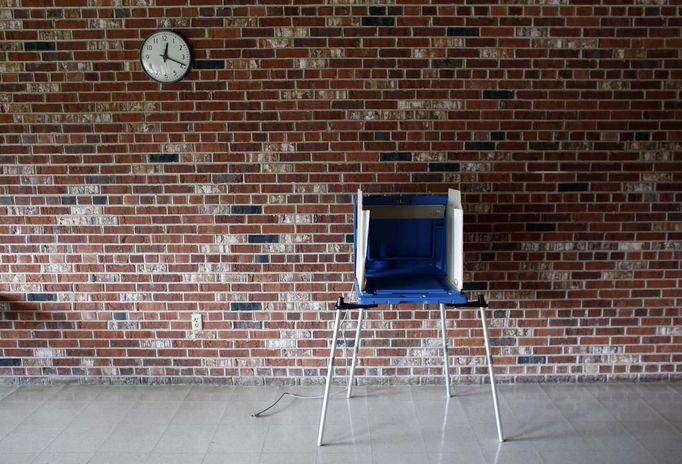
x=408, y=250
x=481, y=304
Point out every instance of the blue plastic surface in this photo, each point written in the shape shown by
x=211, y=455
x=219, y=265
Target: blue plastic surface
x=406, y=257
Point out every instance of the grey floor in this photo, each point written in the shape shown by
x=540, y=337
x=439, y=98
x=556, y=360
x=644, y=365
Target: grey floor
x=617, y=423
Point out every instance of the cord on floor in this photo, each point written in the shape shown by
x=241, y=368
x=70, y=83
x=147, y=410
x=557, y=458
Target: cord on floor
x=303, y=397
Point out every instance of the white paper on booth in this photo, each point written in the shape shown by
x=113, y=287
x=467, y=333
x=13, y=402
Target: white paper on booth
x=361, y=237
x=455, y=239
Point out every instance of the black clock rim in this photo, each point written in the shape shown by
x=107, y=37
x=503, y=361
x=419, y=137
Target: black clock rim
x=189, y=48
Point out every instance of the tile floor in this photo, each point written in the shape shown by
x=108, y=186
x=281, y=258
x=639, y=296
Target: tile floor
x=615, y=423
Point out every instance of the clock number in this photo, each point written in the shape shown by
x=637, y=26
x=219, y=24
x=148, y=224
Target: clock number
x=149, y=47
x=147, y=56
x=165, y=39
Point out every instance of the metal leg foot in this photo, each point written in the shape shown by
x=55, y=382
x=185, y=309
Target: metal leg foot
x=356, y=345
x=330, y=371
x=491, y=374
x=446, y=366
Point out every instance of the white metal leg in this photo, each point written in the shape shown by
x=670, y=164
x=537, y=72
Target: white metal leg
x=330, y=370
x=356, y=345
x=500, y=436
x=444, y=335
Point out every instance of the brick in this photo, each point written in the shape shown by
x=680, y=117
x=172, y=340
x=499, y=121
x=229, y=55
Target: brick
x=396, y=156
x=378, y=21
x=444, y=167
x=41, y=297
x=39, y=46
x=163, y=158
x=573, y=187
x=482, y=146
x=245, y=306
x=208, y=64
x=463, y=32
x=10, y=362
x=498, y=94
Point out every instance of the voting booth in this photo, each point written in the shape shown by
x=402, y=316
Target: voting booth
x=407, y=250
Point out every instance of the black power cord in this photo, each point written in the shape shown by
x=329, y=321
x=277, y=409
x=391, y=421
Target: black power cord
x=303, y=397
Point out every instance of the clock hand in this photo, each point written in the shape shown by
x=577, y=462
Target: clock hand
x=165, y=53
x=178, y=62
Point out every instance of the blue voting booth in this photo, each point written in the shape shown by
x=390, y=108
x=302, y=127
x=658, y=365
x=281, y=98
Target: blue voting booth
x=407, y=250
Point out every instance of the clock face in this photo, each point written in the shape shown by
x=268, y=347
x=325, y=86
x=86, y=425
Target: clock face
x=165, y=56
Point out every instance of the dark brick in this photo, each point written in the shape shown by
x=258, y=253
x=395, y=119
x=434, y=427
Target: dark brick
x=345, y=343
x=246, y=306
x=378, y=21
x=68, y=200
x=479, y=146
x=227, y=178
x=498, y=94
x=396, y=156
x=264, y=238
x=164, y=158
x=39, y=46
x=573, y=187
x=41, y=297
x=463, y=32
x=497, y=135
x=597, y=53
x=475, y=286
x=122, y=12
x=642, y=136
x=120, y=316
x=450, y=63
x=349, y=238
x=377, y=10
x=532, y=359
x=540, y=227
x=99, y=200
x=444, y=167
x=208, y=64
x=503, y=341
x=382, y=136
x=246, y=209
x=261, y=259
x=100, y=180
x=10, y=362
x=543, y=146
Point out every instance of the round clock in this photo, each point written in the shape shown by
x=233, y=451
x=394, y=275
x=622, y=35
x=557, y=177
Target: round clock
x=165, y=56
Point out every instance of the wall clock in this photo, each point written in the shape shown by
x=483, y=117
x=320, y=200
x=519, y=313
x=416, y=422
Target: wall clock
x=165, y=56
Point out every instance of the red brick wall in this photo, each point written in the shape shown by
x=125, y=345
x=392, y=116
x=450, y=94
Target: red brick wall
x=126, y=205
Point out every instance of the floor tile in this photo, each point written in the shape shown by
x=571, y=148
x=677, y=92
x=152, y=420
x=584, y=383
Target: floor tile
x=210, y=393
x=187, y=438
x=50, y=457
x=121, y=393
x=247, y=438
x=54, y=413
x=165, y=393
x=99, y=413
x=6, y=390
x=394, y=457
x=152, y=412
x=288, y=458
x=176, y=458
x=199, y=413
x=28, y=438
x=346, y=457
x=80, y=439
x=113, y=457
x=33, y=393
x=18, y=458
x=224, y=457
x=290, y=439
x=133, y=438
